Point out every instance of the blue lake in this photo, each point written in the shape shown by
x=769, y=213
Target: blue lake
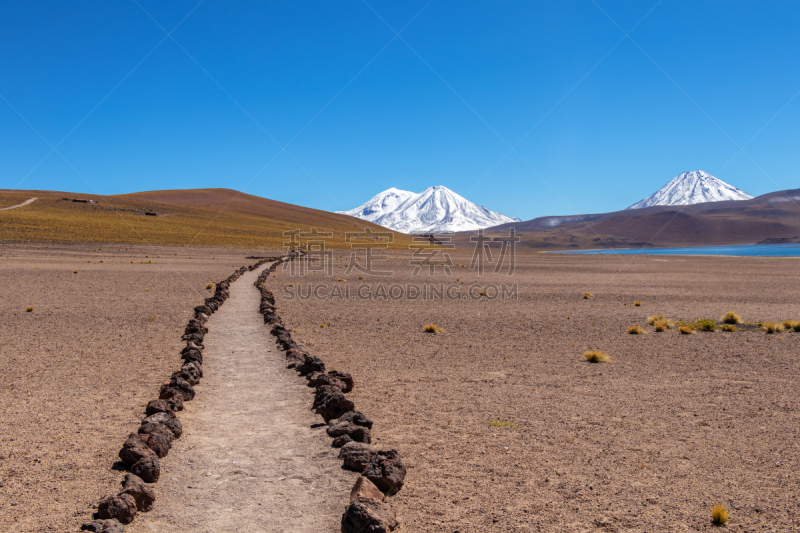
x=746, y=250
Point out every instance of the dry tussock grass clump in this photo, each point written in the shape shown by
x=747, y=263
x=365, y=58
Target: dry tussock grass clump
x=686, y=330
x=209, y=285
x=29, y=309
x=637, y=304
x=731, y=318
x=662, y=325
x=655, y=318
x=502, y=424
x=705, y=324
x=791, y=325
x=432, y=328
x=597, y=356
x=727, y=327
x=587, y=296
x=719, y=515
x=636, y=330
x=772, y=327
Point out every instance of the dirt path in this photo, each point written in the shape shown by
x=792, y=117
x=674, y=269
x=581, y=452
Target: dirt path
x=250, y=458
x=22, y=204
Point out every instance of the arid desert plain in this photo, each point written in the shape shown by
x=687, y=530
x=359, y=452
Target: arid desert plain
x=502, y=423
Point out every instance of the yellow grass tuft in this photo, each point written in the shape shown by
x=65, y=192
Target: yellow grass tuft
x=502, y=424
x=791, y=325
x=731, y=318
x=29, y=309
x=597, y=356
x=772, y=327
x=152, y=318
x=636, y=330
x=637, y=304
x=655, y=318
x=705, y=324
x=587, y=296
x=209, y=285
x=727, y=327
x=686, y=330
x=432, y=328
x=719, y=515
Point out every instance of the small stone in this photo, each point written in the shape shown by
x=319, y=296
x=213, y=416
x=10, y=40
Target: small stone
x=120, y=506
x=356, y=455
x=367, y=515
x=147, y=468
x=354, y=432
x=143, y=495
x=160, y=444
x=133, y=450
x=169, y=419
x=103, y=526
x=364, y=488
x=356, y=417
x=330, y=403
x=156, y=406
x=386, y=471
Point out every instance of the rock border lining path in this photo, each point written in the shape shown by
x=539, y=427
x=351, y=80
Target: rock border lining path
x=142, y=450
x=382, y=471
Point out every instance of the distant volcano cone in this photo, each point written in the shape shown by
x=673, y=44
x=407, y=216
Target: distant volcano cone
x=693, y=188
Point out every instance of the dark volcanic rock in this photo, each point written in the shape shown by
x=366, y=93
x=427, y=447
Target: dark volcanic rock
x=147, y=468
x=186, y=390
x=192, y=354
x=354, y=417
x=134, y=450
x=311, y=364
x=120, y=506
x=357, y=455
x=367, y=515
x=143, y=495
x=295, y=358
x=154, y=428
x=156, y=406
x=319, y=379
x=386, y=471
x=189, y=377
x=344, y=377
x=160, y=444
x=341, y=440
x=354, y=432
x=168, y=419
x=175, y=402
x=330, y=403
x=103, y=526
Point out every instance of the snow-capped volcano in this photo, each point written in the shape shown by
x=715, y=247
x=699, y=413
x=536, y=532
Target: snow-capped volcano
x=693, y=188
x=380, y=204
x=434, y=210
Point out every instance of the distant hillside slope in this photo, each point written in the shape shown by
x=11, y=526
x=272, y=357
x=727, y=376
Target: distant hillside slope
x=194, y=217
x=773, y=217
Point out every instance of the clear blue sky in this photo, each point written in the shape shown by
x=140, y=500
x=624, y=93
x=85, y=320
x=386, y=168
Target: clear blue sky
x=598, y=120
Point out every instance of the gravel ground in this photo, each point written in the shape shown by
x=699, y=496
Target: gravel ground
x=77, y=371
x=505, y=427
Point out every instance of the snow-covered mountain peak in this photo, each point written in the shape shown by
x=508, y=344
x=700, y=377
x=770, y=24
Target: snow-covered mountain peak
x=380, y=204
x=435, y=210
x=690, y=188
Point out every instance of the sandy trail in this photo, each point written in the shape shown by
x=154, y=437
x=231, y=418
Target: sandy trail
x=22, y=204
x=250, y=458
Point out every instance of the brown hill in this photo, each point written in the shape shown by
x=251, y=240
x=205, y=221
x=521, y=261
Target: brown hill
x=194, y=217
x=771, y=218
